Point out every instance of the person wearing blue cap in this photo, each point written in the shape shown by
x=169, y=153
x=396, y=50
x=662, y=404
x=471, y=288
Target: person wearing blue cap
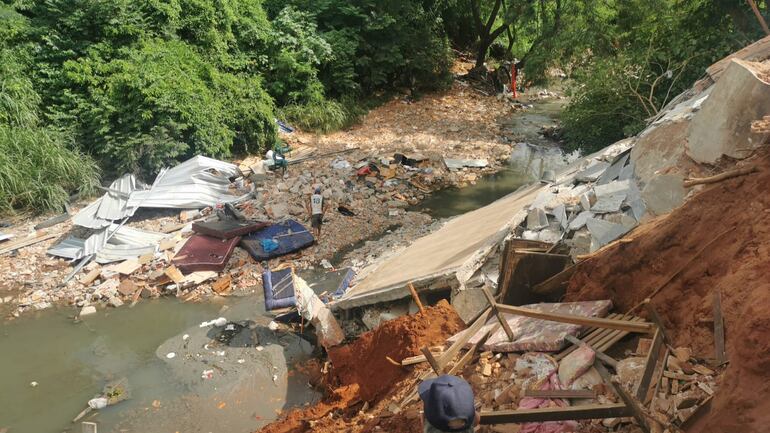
x=448, y=405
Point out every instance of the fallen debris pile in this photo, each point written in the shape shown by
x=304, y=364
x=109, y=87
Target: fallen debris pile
x=362, y=373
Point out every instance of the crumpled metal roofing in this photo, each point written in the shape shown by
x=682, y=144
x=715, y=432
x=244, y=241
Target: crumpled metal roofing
x=125, y=243
x=195, y=183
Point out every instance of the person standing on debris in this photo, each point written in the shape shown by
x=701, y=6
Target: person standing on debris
x=317, y=209
x=448, y=405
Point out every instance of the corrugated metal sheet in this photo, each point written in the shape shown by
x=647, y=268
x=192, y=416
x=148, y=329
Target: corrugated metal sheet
x=126, y=243
x=113, y=204
x=195, y=183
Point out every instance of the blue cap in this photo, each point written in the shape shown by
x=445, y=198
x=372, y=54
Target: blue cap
x=448, y=403
x=318, y=190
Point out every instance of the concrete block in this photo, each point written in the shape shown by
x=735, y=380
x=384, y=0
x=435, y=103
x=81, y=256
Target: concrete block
x=536, y=219
x=560, y=213
x=608, y=202
x=664, y=193
x=723, y=125
x=592, y=172
x=87, y=310
x=604, y=232
x=468, y=302
x=587, y=199
x=658, y=148
x=580, y=220
x=580, y=243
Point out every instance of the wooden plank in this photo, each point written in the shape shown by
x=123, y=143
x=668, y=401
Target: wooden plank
x=496, y=311
x=719, y=329
x=623, y=325
x=658, y=379
x=469, y=354
x=589, y=411
x=91, y=276
x=599, y=354
x=21, y=243
x=50, y=222
x=630, y=403
x=655, y=317
x=649, y=367
x=454, y=349
x=560, y=393
x=412, y=360
x=415, y=297
x=431, y=360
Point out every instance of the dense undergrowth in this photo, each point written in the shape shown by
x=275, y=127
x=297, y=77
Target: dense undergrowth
x=90, y=86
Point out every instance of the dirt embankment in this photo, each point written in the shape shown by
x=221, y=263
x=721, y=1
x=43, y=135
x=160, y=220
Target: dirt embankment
x=734, y=215
x=361, y=374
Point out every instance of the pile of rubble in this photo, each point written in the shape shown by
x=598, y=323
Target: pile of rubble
x=387, y=165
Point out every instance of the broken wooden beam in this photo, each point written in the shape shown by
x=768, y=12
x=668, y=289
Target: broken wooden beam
x=50, y=222
x=560, y=393
x=649, y=367
x=599, y=354
x=589, y=411
x=622, y=325
x=431, y=360
x=21, y=243
x=719, y=329
x=416, y=298
x=690, y=182
x=498, y=314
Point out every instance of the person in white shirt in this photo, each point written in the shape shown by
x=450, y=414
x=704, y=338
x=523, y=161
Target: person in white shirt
x=317, y=209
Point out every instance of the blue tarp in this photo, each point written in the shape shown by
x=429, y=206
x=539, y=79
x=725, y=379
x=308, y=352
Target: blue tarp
x=279, y=287
x=290, y=236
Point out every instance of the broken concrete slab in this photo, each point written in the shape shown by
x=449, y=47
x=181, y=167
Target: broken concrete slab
x=459, y=164
x=608, y=202
x=580, y=220
x=536, y=219
x=592, y=172
x=434, y=261
x=560, y=213
x=613, y=171
x=723, y=125
x=664, y=193
x=587, y=199
x=604, y=232
x=659, y=148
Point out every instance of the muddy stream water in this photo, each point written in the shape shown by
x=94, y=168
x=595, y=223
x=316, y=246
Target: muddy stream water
x=184, y=378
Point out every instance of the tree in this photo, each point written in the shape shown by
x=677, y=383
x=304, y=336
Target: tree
x=484, y=27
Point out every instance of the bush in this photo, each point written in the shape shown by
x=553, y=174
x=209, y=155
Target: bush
x=163, y=102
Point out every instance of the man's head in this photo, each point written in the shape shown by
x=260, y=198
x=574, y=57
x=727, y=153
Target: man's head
x=448, y=403
x=318, y=190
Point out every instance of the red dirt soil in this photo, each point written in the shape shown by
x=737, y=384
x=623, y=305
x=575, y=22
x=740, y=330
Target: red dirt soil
x=361, y=373
x=737, y=264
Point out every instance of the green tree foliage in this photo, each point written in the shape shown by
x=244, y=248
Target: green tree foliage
x=37, y=169
x=656, y=49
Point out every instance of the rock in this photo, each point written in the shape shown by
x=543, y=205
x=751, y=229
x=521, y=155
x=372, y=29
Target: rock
x=608, y=203
x=560, y=213
x=592, y=172
x=87, y=310
x=603, y=232
x=723, y=124
x=536, y=219
x=468, y=302
x=580, y=243
x=580, y=220
x=115, y=302
x=664, y=193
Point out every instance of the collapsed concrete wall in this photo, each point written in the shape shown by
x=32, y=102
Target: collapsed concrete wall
x=723, y=125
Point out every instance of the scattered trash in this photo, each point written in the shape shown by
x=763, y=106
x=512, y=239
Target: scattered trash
x=207, y=374
x=98, y=403
x=218, y=322
x=185, y=337
x=171, y=355
x=273, y=326
x=33, y=384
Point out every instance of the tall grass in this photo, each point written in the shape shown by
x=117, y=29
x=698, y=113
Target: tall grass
x=38, y=172
x=321, y=116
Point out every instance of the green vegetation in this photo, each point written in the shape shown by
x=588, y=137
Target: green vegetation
x=138, y=84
